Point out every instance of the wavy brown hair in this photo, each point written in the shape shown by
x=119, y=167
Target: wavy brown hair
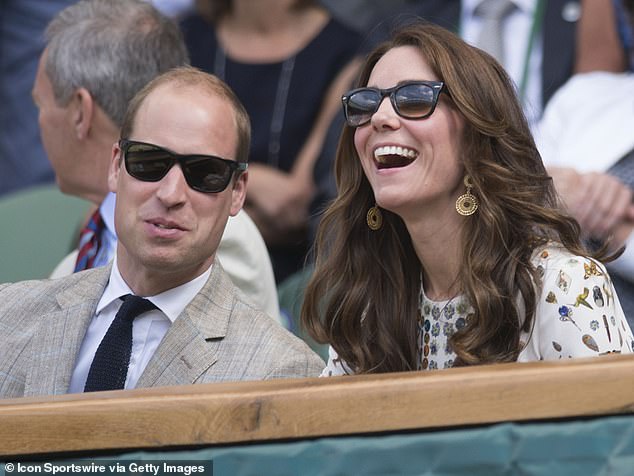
x=363, y=296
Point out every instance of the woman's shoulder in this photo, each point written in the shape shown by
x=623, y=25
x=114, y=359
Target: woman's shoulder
x=578, y=313
x=555, y=256
x=573, y=284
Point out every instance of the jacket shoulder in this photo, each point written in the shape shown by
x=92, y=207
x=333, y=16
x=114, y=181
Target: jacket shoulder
x=274, y=351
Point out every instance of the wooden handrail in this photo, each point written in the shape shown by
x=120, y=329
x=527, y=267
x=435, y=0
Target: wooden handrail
x=304, y=408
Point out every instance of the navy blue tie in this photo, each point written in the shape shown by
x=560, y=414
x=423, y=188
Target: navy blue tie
x=109, y=368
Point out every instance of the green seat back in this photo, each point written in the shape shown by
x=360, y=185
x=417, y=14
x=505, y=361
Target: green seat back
x=39, y=226
x=290, y=293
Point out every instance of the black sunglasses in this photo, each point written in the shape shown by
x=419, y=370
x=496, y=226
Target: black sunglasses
x=203, y=173
x=411, y=100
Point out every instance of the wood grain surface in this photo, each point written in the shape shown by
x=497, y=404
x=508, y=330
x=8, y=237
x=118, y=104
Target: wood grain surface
x=304, y=408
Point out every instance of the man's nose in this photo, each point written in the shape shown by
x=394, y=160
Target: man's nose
x=172, y=189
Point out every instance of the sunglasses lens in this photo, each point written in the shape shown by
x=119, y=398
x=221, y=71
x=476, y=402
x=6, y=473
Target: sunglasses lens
x=414, y=100
x=360, y=106
x=204, y=173
x=207, y=174
x=147, y=162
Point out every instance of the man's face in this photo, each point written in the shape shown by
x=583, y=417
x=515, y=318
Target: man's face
x=168, y=232
x=55, y=131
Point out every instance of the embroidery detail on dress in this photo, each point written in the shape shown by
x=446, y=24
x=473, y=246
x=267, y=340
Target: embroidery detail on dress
x=581, y=299
x=597, y=296
x=607, y=327
x=563, y=282
x=590, y=343
x=591, y=270
x=565, y=314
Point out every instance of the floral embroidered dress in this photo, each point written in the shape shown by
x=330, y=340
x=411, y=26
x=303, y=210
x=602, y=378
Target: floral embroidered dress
x=578, y=315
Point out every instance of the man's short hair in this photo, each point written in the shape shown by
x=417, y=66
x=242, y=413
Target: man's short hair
x=112, y=48
x=187, y=76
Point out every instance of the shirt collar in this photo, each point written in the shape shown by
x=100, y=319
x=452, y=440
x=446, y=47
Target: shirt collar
x=107, y=211
x=171, y=302
x=527, y=6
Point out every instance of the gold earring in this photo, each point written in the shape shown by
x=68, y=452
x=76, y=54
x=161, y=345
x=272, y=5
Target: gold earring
x=374, y=218
x=467, y=204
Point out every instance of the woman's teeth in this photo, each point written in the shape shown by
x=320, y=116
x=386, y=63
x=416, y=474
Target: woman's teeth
x=394, y=156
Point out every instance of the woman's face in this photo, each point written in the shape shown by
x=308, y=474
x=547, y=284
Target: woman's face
x=413, y=165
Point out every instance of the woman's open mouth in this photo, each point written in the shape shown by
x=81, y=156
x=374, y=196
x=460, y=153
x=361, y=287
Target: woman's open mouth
x=392, y=156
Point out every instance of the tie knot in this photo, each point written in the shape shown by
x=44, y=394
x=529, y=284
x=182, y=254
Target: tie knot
x=133, y=306
x=494, y=9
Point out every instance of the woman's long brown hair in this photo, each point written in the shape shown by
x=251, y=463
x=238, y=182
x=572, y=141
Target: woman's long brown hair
x=363, y=296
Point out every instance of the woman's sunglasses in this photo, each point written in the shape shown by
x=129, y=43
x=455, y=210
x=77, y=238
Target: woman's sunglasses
x=203, y=173
x=411, y=100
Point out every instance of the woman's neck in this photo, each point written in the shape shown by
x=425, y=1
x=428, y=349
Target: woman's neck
x=268, y=30
x=261, y=15
x=439, y=247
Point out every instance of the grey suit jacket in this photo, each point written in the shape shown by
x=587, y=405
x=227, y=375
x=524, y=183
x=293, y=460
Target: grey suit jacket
x=218, y=337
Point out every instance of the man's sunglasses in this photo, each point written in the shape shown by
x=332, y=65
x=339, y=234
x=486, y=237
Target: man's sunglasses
x=203, y=173
x=411, y=100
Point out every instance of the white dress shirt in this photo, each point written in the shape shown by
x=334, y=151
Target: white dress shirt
x=148, y=329
x=108, y=236
x=517, y=31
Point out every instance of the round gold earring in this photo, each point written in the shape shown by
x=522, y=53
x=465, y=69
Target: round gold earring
x=467, y=204
x=374, y=218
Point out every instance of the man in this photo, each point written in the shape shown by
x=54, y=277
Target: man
x=99, y=54
x=179, y=172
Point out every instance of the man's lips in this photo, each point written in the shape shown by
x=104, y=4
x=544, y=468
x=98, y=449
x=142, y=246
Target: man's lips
x=391, y=156
x=163, y=224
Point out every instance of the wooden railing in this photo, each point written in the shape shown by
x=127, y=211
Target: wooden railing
x=303, y=408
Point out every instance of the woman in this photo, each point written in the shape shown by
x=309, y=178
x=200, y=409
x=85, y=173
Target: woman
x=445, y=245
x=289, y=62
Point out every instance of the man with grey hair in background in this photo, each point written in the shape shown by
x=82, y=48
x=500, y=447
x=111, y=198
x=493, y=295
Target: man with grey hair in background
x=100, y=53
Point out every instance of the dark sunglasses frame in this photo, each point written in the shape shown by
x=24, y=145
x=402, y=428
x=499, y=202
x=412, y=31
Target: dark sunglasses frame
x=437, y=87
x=182, y=160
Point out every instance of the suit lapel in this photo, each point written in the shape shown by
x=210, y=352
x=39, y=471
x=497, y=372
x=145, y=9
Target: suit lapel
x=558, y=37
x=190, y=346
x=58, y=339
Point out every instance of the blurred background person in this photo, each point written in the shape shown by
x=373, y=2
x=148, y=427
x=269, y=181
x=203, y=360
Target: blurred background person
x=586, y=139
x=289, y=62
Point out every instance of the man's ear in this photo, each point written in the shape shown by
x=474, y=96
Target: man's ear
x=83, y=106
x=239, y=193
x=115, y=167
